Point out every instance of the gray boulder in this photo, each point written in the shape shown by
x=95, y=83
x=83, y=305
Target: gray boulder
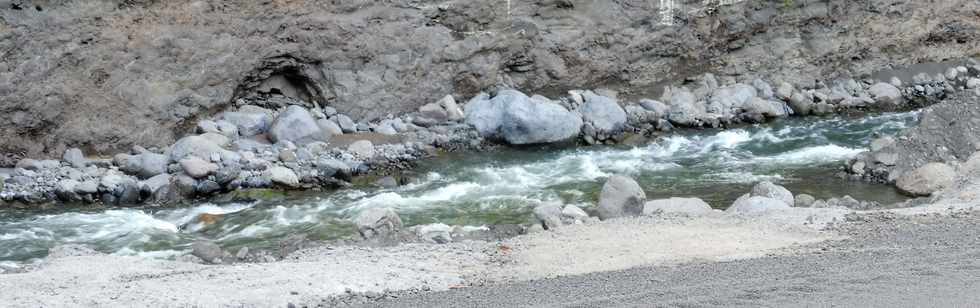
x=148, y=164
x=194, y=146
x=656, y=106
x=282, y=176
x=156, y=187
x=329, y=127
x=803, y=105
x=197, y=168
x=548, y=214
x=804, y=200
x=687, y=206
x=572, y=214
x=925, y=180
x=685, y=109
x=435, y=233
x=249, y=121
x=886, y=94
x=75, y=158
x=620, y=196
x=346, y=124
x=604, y=113
x=295, y=125
x=769, y=190
x=517, y=119
x=767, y=108
x=207, y=251
x=725, y=100
x=747, y=204
x=378, y=222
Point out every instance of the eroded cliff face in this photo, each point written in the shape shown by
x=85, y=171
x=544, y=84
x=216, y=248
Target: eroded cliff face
x=106, y=75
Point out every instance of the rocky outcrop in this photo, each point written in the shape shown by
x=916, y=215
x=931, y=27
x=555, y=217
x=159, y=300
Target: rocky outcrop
x=946, y=133
x=155, y=67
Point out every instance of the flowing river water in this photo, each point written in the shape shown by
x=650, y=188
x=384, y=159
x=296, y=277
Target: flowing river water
x=479, y=189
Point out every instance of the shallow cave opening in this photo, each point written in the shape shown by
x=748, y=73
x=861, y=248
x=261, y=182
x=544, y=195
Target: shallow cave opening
x=281, y=81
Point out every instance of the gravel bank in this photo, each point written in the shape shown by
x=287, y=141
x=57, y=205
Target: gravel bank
x=886, y=260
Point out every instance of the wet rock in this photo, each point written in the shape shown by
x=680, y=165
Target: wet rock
x=767, y=108
x=387, y=182
x=747, y=204
x=378, y=223
x=207, y=251
x=156, y=187
x=296, y=125
x=197, y=168
x=435, y=233
x=688, y=206
x=769, y=190
x=620, y=196
x=75, y=158
x=604, y=113
x=330, y=167
x=803, y=200
x=548, y=214
x=362, y=148
x=207, y=187
x=803, y=105
x=925, y=180
x=282, y=176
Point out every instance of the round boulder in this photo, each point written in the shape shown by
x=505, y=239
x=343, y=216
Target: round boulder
x=925, y=180
x=769, y=190
x=621, y=196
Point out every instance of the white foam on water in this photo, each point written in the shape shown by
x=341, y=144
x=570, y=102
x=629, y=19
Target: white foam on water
x=741, y=177
x=812, y=155
x=157, y=254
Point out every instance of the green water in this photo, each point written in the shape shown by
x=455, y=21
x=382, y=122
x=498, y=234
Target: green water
x=478, y=189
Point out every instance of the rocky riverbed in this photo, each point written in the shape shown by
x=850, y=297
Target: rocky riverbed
x=276, y=142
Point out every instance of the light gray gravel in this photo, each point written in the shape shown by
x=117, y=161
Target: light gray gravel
x=889, y=260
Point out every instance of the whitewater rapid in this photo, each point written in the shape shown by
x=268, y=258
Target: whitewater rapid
x=477, y=189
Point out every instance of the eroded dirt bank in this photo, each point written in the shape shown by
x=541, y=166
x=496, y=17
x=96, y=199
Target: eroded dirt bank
x=107, y=75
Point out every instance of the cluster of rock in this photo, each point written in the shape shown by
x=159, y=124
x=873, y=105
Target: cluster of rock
x=383, y=226
x=598, y=116
x=920, y=160
x=246, y=147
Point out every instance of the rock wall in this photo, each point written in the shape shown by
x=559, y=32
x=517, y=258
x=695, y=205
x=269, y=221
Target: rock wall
x=104, y=75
